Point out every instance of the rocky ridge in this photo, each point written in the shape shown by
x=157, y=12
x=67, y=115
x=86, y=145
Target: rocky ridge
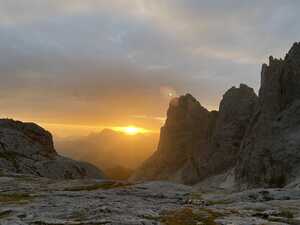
x=27, y=148
x=270, y=153
x=195, y=143
x=253, y=141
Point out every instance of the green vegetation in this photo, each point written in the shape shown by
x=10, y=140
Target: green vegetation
x=15, y=198
x=103, y=186
x=286, y=213
x=219, y=202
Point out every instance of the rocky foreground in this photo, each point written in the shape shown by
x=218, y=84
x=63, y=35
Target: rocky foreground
x=25, y=199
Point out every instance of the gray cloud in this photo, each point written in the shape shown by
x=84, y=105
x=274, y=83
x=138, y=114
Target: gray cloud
x=74, y=59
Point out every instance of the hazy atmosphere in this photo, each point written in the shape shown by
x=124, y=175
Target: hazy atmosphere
x=149, y=112
x=80, y=66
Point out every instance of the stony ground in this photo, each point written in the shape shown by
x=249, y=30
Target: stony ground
x=40, y=201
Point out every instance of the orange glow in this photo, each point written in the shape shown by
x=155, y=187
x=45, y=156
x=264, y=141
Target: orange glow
x=131, y=130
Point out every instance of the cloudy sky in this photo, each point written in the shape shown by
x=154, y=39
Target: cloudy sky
x=99, y=63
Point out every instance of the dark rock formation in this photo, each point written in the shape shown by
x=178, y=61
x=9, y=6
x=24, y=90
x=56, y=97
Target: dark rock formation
x=28, y=148
x=270, y=153
x=196, y=143
x=235, y=112
x=183, y=138
x=255, y=138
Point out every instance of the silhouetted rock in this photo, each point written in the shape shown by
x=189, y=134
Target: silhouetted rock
x=28, y=148
x=235, y=112
x=196, y=143
x=183, y=138
x=270, y=154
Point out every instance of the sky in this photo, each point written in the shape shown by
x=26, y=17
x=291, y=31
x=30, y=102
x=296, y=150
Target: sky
x=82, y=65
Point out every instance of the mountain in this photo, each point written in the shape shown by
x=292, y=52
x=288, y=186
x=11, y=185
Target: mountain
x=110, y=150
x=253, y=141
x=27, y=148
x=195, y=143
x=270, y=153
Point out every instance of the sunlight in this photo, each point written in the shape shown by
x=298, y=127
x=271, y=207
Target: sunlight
x=131, y=130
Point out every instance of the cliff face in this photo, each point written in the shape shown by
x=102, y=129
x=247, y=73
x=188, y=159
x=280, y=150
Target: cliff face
x=196, y=143
x=257, y=137
x=183, y=139
x=270, y=153
x=235, y=112
x=27, y=148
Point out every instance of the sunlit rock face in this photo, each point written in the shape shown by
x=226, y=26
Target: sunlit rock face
x=270, y=153
x=196, y=143
x=28, y=148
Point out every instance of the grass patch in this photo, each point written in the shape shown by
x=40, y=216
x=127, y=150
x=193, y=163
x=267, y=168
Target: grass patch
x=196, y=195
x=219, y=202
x=103, y=186
x=15, y=198
x=286, y=213
x=188, y=216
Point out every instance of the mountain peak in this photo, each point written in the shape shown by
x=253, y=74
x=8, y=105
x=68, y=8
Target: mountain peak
x=294, y=52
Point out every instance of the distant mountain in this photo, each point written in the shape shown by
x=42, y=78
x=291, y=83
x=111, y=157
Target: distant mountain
x=110, y=149
x=253, y=141
x=27, y=148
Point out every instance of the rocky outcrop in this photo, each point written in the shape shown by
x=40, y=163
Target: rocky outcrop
x=196, y=143
x=255, y=140
x=183, y=139
x=235, y=112
x=270, y=153
x=27, y=148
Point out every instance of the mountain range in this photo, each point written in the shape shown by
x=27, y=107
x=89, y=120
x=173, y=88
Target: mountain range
x=252, y=141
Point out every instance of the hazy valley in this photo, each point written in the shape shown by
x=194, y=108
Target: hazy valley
x=110, y=150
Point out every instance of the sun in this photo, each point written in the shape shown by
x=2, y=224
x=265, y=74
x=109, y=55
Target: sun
x=132, y=130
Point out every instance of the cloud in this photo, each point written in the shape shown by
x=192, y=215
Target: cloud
x=98, y=61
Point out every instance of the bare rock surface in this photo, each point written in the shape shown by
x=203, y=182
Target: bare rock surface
x=195, y=143
x=258, y=138
x=28, y=148
x=30, y=200
x=235, y=112
x=183, y=141
x=270, y=155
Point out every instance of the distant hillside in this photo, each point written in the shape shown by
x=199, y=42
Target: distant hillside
x=109, y=149
x=28, y=148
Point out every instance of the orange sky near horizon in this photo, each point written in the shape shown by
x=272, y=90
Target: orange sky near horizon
x=76, y=67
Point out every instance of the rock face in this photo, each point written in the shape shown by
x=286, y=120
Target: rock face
x=235, y=112
x=270, y=153
x=182, y=139
x=196, y=143
x=28, y=148
x=252, y=141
